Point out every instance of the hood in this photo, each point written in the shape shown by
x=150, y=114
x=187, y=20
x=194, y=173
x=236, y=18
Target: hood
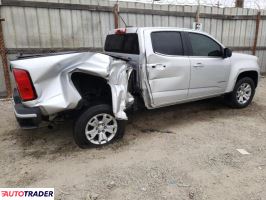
x=243, y=56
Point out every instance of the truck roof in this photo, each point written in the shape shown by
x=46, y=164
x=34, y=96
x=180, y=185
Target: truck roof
x=135, y=29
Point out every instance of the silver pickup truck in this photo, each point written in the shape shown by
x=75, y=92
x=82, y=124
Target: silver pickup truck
x=154, y=67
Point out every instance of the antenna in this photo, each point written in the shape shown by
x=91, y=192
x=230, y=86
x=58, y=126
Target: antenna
x=118, y=14
x=123, y=20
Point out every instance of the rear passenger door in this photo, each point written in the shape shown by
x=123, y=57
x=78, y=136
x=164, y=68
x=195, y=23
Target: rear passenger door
x=168, y=68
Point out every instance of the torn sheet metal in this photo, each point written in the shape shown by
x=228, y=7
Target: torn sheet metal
x=51, y=77
x=118, y=81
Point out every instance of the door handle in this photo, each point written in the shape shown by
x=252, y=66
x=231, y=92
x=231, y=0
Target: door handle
x=158, y=66
x=198, y=65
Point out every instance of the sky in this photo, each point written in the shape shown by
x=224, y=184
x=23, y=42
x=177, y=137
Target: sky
x=257, y=4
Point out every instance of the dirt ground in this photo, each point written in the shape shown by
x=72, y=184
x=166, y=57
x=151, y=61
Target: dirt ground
x=180, y=152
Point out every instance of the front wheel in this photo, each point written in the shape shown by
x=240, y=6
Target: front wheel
x=242, y=94
x=97, y=126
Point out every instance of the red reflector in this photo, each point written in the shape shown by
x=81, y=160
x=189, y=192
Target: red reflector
x=120, y=31
x=24, y=84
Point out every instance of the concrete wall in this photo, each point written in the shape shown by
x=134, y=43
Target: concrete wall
x=62, y=25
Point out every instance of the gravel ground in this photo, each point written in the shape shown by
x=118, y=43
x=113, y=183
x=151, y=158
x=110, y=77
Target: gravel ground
x=179, y=152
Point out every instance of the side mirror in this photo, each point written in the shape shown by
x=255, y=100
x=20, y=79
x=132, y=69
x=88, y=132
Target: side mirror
x=227, y=53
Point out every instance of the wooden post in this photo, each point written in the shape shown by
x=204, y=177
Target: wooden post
x=198, y=12
x=3, y=54
x=197, y=15
x=116, y=15
x=256, y=33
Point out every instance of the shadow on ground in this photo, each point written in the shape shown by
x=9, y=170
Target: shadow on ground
x=59, y=141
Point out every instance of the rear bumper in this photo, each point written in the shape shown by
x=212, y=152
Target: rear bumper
x=27, y=118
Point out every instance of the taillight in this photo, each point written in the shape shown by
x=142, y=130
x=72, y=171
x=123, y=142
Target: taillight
x=24, y=84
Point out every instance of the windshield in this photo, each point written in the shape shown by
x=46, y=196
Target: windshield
x=126, y=43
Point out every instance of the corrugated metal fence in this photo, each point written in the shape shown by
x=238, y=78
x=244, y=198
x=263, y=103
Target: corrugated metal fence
x=41, y=26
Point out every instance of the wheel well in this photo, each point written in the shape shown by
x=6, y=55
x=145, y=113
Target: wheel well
x=132, y=83
x=92, y=89
x=251, y=74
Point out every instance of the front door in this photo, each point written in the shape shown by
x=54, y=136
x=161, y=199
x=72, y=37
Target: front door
x=168, y=70
x=209, y=70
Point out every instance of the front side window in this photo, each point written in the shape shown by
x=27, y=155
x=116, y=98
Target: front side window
x=167, y=42
x=204, y=46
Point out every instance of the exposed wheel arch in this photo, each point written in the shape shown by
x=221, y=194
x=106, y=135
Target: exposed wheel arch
x=112, y=90
x=92, y=89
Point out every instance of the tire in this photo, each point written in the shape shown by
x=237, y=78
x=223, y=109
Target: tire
x=99, y=132
x=234, y=98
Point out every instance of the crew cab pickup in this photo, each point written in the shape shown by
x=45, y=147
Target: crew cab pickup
x=153, y=66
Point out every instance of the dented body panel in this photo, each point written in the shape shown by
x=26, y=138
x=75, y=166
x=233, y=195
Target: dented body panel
x=51, y=77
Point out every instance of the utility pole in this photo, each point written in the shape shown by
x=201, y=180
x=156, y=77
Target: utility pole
x=239, y=3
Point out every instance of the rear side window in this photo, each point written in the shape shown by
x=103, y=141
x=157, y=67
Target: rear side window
x=167, y=42
x=122, y=43
x=204, y=46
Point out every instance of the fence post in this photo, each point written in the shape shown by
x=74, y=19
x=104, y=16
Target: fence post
x=3, y=54
x=198, y=14
x=256, y=33
x=116, y=15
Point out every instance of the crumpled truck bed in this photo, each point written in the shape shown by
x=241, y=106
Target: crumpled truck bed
x=51, y=77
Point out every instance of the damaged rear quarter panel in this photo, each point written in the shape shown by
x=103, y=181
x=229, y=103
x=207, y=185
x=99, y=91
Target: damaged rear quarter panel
x=118, y=81
x=51, y=77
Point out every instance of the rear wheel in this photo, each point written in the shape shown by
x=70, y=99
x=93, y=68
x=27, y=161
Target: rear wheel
x=242, y=94
x=97, y=126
